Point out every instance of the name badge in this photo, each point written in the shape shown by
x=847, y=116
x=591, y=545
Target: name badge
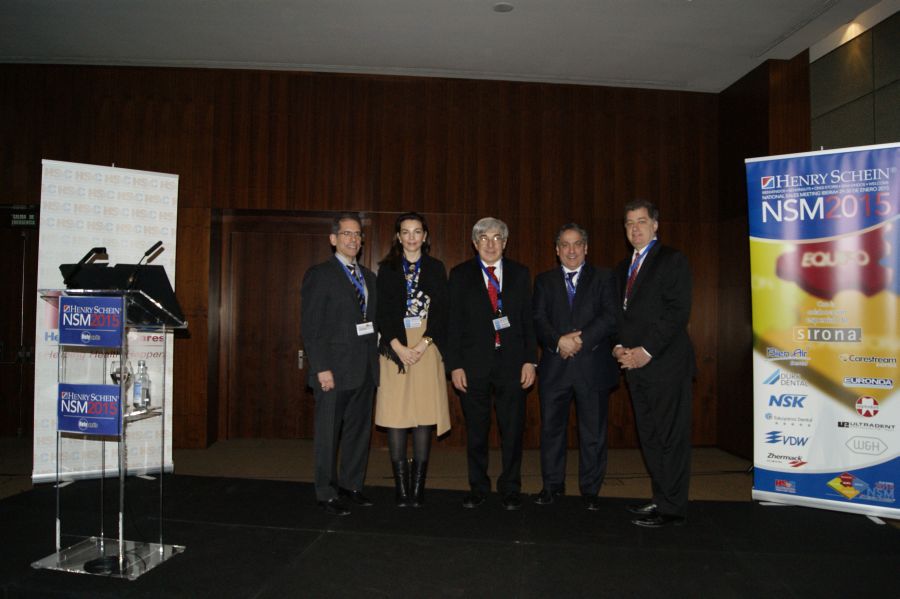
x=501, y=323
x=412, y=322
x=365, y=328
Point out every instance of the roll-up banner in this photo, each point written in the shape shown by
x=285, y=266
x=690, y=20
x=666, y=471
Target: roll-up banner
x=126, y=211
x=824, y=257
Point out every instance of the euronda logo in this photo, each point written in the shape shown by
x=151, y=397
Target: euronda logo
x=870, y=382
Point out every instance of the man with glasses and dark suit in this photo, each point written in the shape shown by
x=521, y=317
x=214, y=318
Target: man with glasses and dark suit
x=491, y=352
x=338, y=306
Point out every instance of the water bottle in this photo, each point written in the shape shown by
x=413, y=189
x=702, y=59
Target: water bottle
x=141, y=390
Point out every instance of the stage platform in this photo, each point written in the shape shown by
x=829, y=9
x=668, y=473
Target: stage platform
x=263, y=538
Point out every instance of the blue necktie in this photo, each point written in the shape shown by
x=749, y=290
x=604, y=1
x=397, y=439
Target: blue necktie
x=570, y=286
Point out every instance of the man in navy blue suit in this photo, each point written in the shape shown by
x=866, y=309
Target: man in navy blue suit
x=574, y=319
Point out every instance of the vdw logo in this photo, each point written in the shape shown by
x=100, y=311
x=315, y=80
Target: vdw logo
x=777, y=438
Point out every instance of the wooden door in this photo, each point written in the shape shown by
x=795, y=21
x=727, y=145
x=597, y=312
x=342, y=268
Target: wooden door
x=263, y=392
x=18, y=271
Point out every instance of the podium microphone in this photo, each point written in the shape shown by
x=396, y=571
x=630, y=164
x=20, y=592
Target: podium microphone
x=140, y=263
x=67, y=280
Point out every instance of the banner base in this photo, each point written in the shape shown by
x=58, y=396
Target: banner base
x=863, y=510
x=101, y=557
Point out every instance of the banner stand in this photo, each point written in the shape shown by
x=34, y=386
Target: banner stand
x=825, y=280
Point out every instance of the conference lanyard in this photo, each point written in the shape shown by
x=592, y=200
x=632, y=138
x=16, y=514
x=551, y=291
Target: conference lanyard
x=492, y=281
x=411, y=281
x=360, y=287
x=636, y=263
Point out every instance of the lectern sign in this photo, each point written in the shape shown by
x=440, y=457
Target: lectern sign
x=90, y=321
x=89, y=409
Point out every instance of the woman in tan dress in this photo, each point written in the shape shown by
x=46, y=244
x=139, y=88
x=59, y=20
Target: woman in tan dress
x=412, y=320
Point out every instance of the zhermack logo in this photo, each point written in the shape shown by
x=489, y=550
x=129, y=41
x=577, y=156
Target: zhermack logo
x=787, y=400
x=778, y=438
x=867, y=406
x=767, y=182
x=869, y=382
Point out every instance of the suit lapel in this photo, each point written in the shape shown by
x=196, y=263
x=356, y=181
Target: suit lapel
x=648, y=264
x=480, y=288
x=587, y=273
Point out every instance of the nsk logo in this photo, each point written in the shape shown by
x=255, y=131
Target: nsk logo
x=776, y=437
x=787, y=400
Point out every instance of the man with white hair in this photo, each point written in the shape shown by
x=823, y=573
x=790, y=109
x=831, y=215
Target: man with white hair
x=491, y=355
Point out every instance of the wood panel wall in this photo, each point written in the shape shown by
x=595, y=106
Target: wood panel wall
x=765, y=113
x=536, y=155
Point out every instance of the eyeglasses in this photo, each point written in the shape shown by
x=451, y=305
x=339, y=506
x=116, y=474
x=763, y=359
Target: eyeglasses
x=484, y=239
x=348, y=235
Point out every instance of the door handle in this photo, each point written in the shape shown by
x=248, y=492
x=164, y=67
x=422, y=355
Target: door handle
x=300, y=359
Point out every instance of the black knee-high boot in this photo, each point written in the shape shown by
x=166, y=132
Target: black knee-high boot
x=417, y=488
x=401, y=482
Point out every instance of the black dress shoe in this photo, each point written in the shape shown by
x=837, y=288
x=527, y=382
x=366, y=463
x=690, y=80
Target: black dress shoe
x=511, y=501
x=643, y=509
x=472, y=500
x=546, y=496
x=659, y=521
x=334, y=507
x=356, y=497
x=591, y=502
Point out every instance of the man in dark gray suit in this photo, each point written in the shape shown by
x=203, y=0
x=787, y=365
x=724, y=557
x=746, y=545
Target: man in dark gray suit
x=654, y=293
x=491, y=352
x=574, y=318
x=338, y=304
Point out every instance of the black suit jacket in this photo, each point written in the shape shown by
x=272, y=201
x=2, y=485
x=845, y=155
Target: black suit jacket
x=329, y=315
x=593, y=313
x=392, y=304
x=470, y=331
x=658, y=312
